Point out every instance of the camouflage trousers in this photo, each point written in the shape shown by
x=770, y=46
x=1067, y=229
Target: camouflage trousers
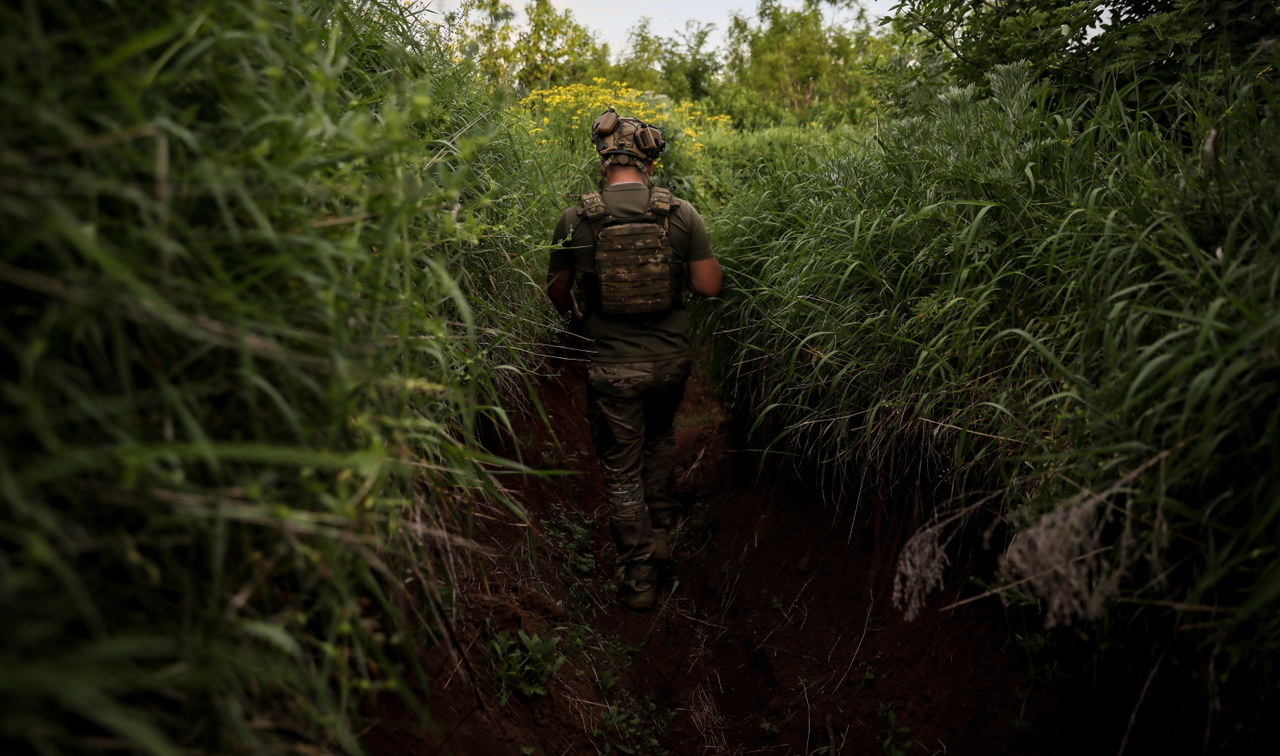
x=631, y=408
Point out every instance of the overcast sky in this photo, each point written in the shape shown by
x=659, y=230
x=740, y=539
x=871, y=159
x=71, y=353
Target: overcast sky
x=611, y=20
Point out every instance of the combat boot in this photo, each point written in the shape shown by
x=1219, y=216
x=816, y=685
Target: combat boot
x=661, y=544
x=640, y=586
x=663, y=520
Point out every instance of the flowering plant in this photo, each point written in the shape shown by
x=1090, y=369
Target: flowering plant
x=562, y=116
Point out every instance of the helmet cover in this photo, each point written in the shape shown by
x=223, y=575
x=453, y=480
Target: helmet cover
x=626, y=141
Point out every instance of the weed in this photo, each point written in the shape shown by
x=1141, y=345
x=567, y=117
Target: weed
x=608, y=680
x=570, y=532
x=895, y=739
x=523, y=665
x=629, y=727
x=695, y=421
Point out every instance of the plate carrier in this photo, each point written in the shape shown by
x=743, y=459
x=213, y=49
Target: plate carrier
x=636, y=271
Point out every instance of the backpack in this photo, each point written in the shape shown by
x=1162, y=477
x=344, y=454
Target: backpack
x=636, y=272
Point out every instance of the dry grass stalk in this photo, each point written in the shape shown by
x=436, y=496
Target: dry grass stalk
x=920, y=567
x=708, y=721
x=1063, y=563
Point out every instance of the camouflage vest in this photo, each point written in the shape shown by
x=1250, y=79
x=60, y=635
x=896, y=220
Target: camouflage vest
x=636, y=271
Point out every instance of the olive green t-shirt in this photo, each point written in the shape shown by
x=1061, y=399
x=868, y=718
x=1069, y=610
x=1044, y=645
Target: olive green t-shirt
x=633, y=338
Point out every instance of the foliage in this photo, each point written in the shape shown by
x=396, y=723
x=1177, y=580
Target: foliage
x=561, y=119
x=1081, y=42
x=895, y=738
x=243, y=375
x=631, y=727
x=785, y=65
x=1064, y=319
x=571, y=533
x=550, y=48
x=267, y=278
x=681, y=67
x=975, y=36
x=524, y=665
x=794, y=66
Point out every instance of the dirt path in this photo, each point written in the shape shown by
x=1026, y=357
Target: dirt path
x=776, y=633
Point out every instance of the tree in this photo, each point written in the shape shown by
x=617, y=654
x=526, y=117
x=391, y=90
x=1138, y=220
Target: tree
x=556, y=49
x=1075, y=41
x=550, y=48
x=683, y=66
x=484, y=33
x=977, y=35
x=690, y=67
x=794, y=65
x=641, y=63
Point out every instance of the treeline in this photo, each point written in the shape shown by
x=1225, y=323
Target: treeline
x=811, y=63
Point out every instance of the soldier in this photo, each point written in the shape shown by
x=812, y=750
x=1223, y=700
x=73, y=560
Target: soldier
x=633, y=249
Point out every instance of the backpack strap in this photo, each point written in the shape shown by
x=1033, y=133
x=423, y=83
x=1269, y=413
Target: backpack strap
x=661, y=201
x=592, y=207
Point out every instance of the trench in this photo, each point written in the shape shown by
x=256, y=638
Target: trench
x=776, y=632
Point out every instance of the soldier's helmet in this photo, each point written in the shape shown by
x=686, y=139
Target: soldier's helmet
x=626, y=141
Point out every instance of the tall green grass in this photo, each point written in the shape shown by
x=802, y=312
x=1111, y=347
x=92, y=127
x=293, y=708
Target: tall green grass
x=1063, y=319
x=248, y=340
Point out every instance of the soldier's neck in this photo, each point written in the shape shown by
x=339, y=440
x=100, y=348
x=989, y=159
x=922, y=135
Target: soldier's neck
x=626, y=175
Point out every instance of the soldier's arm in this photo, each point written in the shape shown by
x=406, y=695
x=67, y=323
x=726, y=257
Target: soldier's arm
x=560, y=270
x=703, y=271
x=560, y=289
x=706, y=277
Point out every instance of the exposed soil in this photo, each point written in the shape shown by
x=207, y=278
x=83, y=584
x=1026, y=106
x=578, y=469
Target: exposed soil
x=776, y=633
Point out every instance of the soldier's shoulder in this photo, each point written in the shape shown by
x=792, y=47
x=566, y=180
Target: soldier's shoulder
x=671, y=192
x=684, y=207
x=580, y=202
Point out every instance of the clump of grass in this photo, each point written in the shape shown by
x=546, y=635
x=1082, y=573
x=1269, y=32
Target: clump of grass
x=244, y=366
x=1044, y=315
